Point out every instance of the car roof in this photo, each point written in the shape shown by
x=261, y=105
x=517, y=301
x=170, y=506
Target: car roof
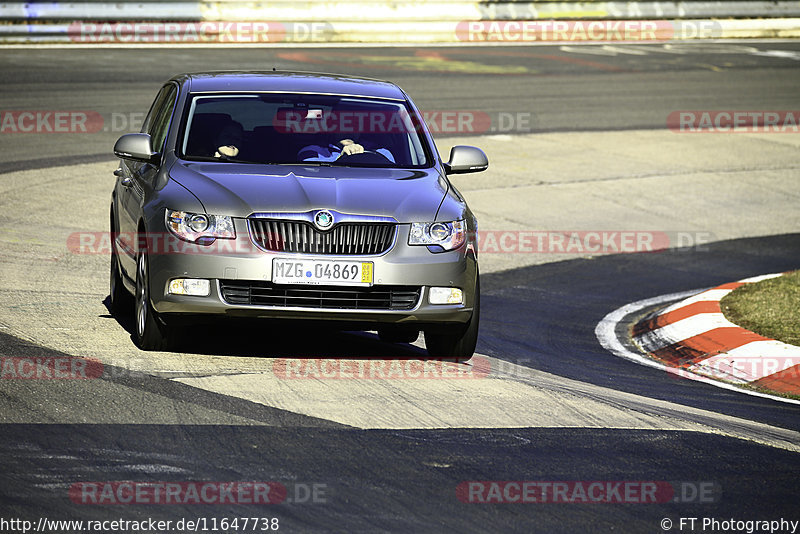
x=288, y=82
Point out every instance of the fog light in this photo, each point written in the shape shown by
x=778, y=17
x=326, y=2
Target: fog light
x=445, y=295
x=190, y=286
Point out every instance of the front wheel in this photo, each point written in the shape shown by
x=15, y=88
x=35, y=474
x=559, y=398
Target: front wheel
x=457, y=343
x=151, y=332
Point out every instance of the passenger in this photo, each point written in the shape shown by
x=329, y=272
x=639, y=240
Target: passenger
x=229, y=140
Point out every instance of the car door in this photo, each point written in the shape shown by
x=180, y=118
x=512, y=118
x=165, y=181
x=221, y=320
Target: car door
x=136, y=179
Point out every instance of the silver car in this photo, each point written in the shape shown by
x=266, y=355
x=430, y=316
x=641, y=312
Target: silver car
x=308, y=197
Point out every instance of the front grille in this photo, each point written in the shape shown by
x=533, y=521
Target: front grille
x=346, y=298
x=301, y=237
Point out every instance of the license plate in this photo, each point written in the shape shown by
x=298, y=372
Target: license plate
x=321, y=272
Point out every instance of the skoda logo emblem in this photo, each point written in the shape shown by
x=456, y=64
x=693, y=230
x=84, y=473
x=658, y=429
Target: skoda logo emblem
x=323, y=219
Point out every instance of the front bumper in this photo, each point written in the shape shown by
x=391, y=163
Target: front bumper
x=239, y=259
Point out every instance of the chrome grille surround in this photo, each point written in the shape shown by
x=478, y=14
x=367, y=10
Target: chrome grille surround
x=296, y=233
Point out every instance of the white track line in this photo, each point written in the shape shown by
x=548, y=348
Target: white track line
x=607, y=336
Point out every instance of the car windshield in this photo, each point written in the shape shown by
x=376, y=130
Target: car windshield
x=302, y=129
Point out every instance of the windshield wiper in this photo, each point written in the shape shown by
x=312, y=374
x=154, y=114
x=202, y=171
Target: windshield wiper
x=314, y=163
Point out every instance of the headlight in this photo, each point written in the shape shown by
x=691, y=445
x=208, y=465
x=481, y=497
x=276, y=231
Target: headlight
x=448, y=235
x=196, y=226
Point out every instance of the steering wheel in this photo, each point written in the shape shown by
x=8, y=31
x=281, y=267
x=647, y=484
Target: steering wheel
x=368, y=156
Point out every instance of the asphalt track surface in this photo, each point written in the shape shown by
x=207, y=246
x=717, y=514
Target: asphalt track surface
x=539, y=317
x=587, y=88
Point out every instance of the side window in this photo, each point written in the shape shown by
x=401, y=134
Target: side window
x=157, y=103
x=157, y=128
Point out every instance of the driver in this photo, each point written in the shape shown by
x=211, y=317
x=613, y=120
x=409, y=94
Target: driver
x=330, y=152
x=333, y=151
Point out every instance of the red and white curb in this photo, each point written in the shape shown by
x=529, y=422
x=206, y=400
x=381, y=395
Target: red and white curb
x=692, y=339
x=693, y=335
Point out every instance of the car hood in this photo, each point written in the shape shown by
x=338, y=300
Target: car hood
x=239, y=190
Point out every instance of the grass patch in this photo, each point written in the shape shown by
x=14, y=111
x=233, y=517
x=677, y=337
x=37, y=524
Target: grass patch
x=770, y=308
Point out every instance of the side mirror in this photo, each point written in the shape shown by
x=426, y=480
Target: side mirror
x=464, y=159
x=135, y=146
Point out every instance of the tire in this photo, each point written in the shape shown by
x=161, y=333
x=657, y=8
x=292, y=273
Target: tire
x=151, y=333
x=456, y=343
x=397, y=335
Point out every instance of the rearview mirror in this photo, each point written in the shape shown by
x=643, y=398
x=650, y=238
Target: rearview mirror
x=464, y=159
x=136, y=146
